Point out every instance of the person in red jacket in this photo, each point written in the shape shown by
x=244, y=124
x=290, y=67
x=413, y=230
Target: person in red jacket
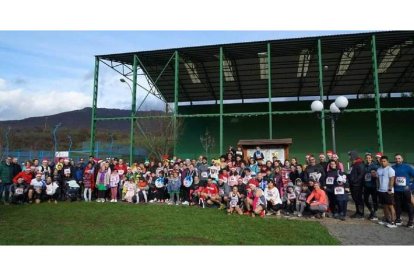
x=318, y=201
x=27, y=175
x=210, y=193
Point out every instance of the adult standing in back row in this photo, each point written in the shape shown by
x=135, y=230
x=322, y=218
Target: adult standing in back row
x=385, y=182
x=356, y=182
x=402, y=190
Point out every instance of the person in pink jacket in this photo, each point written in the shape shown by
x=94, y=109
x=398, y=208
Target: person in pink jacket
x=318, y=201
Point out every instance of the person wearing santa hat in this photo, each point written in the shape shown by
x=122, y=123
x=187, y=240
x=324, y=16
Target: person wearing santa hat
x=37, y=185
x=26, y=175
x=329, y=154
x=378, y=156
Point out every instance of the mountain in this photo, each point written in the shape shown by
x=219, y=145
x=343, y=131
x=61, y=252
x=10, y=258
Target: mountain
x=78, y=119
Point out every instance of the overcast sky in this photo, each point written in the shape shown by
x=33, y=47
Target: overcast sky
x=48, y=72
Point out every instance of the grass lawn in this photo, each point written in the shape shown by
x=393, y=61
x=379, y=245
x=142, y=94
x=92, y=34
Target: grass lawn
x=80, y=223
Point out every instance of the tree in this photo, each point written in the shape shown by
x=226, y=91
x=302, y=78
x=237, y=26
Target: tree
x=207, y=141
x=157, y=135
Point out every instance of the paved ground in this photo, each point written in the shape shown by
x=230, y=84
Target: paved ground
x=365, y=232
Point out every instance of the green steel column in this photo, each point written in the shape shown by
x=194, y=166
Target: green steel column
x=176, y=86
x=133, y=109
x=269, y=84
x=94, y=106
x=221, y=101
x=377, y=95
x=321, y=94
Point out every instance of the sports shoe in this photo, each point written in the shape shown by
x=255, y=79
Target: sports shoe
x=300, y=215
x=55, y=201
x=410, y=225
x=391, y=225
x=185, y=203
x=398, y=222
x=342, y=218
x=374, y=218
x=112, y=200
x=278, y=213
x=177, y=203
x=151, y=201
x=115, y=200
x=383, y=222
x=270, y=213
x=170, y=203
x=222, y=206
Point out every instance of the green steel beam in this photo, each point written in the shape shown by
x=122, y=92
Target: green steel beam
x=221, y=101
x=377, y=95
x=321, y=94
x=176, y=87
x=269, y=84
x=94, y=105
x=133, y=109
x=250, y=114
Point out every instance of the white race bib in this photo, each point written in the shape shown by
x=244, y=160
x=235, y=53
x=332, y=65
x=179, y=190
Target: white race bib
x=330, y=180
x=291, y=196
x=400, y=181
x=19, y=191
x=339, y=190
x=233, y=203
x=302, y=197
x=368, y=177
x=120, y=172
x=66, y=171
x=204, y=174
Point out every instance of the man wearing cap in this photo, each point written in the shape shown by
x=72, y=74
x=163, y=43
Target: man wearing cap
x=37, y=185
x=356, y=179
x=402, y=189
x=6, y=172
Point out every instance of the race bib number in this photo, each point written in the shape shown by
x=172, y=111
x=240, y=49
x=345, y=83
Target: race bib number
x=291, y=196
x=19, y=191
x=339, y=190
x=330, y=180
x=400, y=181
x=66, y=171
x=204, y=174
x=233, y=203
x=302, y=197
x=368, y=177
x=120, y=172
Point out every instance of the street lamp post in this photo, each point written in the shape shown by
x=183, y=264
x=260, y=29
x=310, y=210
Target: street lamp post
x=335, y=108
x=54, y=136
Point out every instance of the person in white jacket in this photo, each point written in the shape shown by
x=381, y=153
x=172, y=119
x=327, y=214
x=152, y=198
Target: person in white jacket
x=274, y=202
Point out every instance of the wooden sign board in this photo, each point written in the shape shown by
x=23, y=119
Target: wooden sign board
x=270, y=148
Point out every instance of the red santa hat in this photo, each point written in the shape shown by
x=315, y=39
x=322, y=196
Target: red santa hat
x=253, y=181
x=379, y=154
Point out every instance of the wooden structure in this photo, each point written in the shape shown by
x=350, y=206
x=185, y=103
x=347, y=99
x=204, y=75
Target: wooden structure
x=270, y=148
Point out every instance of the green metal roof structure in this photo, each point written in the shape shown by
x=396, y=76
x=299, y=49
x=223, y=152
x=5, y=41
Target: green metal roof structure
x=352, y=64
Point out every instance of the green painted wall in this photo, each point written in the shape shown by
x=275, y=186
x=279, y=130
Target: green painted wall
x=353, y=130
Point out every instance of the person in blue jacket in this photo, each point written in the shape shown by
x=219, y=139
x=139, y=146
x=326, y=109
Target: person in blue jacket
x=402, y=189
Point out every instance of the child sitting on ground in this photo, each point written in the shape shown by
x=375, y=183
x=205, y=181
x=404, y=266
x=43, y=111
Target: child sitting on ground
x=274, y=202
x=130, y=188
x=289, y=200
x=51, y=188
x=318, y=201
x=234, y=201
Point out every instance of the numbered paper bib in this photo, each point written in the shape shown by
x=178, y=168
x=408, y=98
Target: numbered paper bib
x=19, y=191
x=204, y=174
x=291, y=196
x=233, y=203
x=400, y=181
x=120, y=172
x=339, y=190
x=368, y=177
x=66, y=171
x=330, y=180
x=302, y=197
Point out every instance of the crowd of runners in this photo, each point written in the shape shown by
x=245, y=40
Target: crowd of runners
x=318, y=188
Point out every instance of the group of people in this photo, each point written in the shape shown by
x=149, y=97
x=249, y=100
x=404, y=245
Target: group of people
x=256, y=187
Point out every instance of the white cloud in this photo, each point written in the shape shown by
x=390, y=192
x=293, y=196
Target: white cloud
x=19, y=104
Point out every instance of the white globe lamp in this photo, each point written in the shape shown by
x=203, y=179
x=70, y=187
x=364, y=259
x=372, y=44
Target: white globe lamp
x=334, y=109
x=341, y=102
x=317, y=106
